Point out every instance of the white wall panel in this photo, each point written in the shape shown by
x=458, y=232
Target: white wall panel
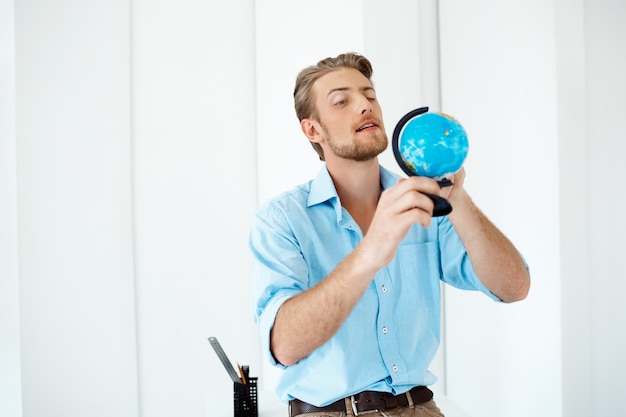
x=498, y=79
x=195, y=178
x=74, y=198
x=574, y=211
x=605, y=46
x=10, y=370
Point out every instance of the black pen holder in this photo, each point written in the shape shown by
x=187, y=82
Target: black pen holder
x=245, y=398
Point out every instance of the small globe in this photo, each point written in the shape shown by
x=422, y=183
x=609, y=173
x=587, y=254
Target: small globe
x=433, y=145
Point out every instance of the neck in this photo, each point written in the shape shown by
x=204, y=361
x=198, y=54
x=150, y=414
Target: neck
x=358, y=187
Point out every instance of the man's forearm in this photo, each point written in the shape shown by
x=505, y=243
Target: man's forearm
x=495, y=259
x=308, y=320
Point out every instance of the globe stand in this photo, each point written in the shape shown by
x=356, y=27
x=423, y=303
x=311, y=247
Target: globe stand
x=442, y=206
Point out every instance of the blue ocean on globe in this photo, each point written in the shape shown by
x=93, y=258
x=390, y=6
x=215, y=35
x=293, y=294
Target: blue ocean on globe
x=433, y=145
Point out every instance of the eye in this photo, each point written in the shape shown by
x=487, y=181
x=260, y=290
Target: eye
x=370, y=94
x=341, y=101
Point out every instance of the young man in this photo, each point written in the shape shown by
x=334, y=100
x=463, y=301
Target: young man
x=348, y=265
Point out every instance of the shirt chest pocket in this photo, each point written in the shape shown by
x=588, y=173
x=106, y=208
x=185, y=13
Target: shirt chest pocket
x=415, y=272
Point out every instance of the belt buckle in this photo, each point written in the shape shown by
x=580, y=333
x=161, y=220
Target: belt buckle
x=355, y=410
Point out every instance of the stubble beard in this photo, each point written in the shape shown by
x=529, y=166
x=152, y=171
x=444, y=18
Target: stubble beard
x=358, y=150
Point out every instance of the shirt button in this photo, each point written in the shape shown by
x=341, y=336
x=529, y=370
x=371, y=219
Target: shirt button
x=395, y=368
x=384, y=289
x=384, y=329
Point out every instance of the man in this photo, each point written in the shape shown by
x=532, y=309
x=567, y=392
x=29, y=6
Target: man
x=348, y=265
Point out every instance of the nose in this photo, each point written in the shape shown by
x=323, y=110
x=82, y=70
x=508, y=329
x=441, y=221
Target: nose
x=365, y=105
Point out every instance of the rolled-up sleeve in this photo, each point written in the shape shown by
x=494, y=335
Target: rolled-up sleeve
x=457, y=269
x=280, y=271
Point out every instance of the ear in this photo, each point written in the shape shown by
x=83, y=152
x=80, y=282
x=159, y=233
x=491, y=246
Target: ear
x=312, y=130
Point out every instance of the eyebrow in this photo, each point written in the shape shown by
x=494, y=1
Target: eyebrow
x=367, y=88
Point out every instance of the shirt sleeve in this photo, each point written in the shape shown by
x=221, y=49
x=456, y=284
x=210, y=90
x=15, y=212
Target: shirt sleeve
x=457, y=269
x=280, y=271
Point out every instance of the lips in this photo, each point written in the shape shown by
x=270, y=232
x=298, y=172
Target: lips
x=366, y=125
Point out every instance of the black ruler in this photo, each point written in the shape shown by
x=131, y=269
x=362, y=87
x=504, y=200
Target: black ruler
x=225, y=361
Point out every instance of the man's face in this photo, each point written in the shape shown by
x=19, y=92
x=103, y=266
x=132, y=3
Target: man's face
x=350, y=116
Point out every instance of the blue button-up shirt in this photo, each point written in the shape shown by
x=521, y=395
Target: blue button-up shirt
x=392, y=335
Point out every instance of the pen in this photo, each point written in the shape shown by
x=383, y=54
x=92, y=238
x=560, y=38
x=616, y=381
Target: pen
x=241, y=373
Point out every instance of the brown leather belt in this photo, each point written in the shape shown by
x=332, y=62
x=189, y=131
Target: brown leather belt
x=364, y=402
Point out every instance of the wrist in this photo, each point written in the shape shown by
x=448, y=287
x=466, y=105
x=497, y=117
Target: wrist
x=461, y=203
x=369, y=256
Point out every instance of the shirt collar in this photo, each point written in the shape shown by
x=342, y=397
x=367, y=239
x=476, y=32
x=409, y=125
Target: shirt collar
x=323, y=188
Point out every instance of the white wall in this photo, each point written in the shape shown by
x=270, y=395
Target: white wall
x=74, y=200
x=194, y=170
x=10, y=370
x=138, y=137
x=605, y=96
x=498, y=76
x=575, y=209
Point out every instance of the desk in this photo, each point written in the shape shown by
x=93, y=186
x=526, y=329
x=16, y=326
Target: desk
x=269, y=406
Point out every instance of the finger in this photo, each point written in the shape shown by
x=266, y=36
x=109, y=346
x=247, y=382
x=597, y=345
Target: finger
x=421, y=215
x=458, y=180
x=416, y=183
x=416, y=200
x=459, y=177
